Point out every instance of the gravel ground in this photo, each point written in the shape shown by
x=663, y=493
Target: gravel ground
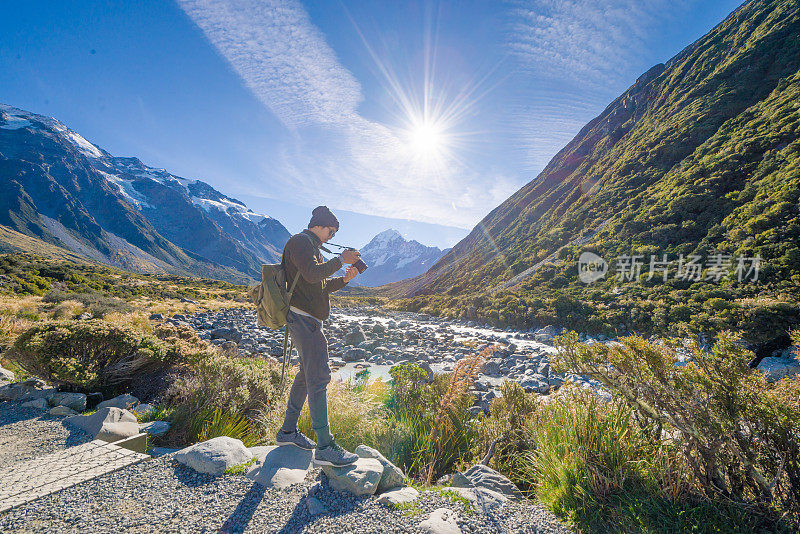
x=160, y=495
x=27, y=433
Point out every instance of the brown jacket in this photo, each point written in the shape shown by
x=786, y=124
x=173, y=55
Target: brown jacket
x=311, y=294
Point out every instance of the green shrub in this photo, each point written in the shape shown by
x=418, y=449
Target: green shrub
x=411, y=390
x=89, y=354
x=585, y=454
x=739, y=434
x=245, y=387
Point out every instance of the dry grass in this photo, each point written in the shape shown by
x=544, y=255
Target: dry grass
x=20, y=305
x=67, y=309
x=135, y=319
x=169, y=307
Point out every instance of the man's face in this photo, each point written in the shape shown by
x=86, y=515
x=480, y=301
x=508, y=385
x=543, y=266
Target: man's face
x=331, y=231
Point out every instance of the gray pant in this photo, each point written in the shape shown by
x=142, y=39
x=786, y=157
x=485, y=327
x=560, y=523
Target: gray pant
x=312, y=379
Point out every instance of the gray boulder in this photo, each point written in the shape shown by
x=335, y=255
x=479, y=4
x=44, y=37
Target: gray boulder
x=534, y=383
x=107, y=424
x=39, y=404
x=398, y=496
x=492, y=368
x=23, y=392
x=280, y=466
x=359, y=478
x=782, y=366
x=124, y=401
x=215, y=455
x=6, y=376
x=75, y=401
x=228, y=334
x=355, y=336
x=378, y=328
x=155, y=428
x=354, y=355
x=392, y=476
x=483, y=476
x=483, y=499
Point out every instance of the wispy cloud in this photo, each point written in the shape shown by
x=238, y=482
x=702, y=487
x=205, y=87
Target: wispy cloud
x=575, y=56
x=336, y=156
x=594, y=41
x=281, y=56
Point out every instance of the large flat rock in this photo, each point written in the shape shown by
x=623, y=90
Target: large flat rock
x=280, y=466
x=359, y=478
x=107, y=424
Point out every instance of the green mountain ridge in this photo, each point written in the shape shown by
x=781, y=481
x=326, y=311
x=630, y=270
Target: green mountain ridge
x=700, y=155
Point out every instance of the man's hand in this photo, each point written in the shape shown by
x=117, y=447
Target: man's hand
x=351, y=273
x=350, y=256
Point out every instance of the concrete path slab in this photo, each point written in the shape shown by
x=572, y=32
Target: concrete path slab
x=27, y=481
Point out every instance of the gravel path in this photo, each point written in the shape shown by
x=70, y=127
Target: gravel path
x=161, y=495
x=27, y=433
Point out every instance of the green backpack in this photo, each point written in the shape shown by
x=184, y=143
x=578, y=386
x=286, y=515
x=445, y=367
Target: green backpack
x=271, y=299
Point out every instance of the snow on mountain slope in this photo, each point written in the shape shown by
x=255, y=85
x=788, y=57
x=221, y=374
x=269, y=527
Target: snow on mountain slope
x=114, y=193
x=391, y=258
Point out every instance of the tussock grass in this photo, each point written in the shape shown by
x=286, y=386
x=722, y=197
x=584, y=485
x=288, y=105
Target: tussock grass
x=355, y=416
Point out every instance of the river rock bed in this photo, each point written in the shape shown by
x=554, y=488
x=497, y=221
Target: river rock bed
x=369, y=338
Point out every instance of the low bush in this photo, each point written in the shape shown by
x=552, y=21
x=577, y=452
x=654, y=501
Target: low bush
x=502, y=439
x=435, y=431
x=93, y=355
x=242, y=388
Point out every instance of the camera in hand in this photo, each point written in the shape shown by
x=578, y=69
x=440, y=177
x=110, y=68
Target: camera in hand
x=360, y=265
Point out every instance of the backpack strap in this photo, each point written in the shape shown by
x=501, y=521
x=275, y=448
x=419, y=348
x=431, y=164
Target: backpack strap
x=294, y=282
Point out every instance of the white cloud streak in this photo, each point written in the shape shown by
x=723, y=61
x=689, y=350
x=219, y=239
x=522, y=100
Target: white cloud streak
x=281, y=57
x=576, y=55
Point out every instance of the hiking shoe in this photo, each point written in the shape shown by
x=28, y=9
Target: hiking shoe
x=296, y=438
x=334, y=455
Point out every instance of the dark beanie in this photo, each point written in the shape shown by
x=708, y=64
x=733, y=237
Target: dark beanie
x=322, y=216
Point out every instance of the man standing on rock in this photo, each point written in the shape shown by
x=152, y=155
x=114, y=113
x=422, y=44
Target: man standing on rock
x=309, y=306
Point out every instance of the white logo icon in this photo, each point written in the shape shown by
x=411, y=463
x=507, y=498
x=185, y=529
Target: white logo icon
x=591, y=267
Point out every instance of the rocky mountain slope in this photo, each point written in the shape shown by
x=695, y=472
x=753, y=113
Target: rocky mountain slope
x=58, y=187
x=391, y=257
x=701, y=155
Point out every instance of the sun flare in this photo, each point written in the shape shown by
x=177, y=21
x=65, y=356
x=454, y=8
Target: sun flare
x=426, y=140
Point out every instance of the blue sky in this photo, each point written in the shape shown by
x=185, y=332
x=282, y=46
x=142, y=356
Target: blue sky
x=422, y=116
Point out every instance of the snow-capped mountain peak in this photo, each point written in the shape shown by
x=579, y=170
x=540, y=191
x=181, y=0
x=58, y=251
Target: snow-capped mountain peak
x=392, y=257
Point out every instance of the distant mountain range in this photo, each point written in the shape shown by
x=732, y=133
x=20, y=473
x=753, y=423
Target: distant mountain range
x=391, y=257
x=58, y=187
